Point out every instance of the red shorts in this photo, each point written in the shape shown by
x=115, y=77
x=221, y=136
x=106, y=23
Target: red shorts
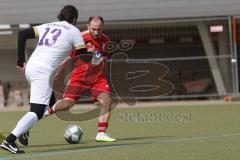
x=75, y=88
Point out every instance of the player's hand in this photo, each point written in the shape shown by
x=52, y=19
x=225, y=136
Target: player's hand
x=97, y=61
x=21, y=67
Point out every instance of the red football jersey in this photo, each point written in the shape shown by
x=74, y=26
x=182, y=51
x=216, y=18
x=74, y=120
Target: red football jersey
x=99, y=43
x=90, y=73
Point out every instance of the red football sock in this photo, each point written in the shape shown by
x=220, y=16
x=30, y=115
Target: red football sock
x=50, y=111
x=102, y=126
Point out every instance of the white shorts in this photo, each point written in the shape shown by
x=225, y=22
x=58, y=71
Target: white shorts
x=40, y=88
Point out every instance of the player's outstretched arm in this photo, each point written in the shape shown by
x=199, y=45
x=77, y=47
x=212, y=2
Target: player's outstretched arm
x=22, y=38
x=63, y=66
x=68, y=62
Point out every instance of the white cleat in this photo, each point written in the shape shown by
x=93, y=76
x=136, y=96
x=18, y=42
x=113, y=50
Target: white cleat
x=104, y=137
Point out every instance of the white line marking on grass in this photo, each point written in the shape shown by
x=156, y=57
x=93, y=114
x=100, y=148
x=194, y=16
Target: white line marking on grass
x=198, y=138
x=59, y=153
x=53, y=153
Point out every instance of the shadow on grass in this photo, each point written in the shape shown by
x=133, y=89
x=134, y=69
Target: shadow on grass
x=64, y=148
x=92, y=141
x=92, y=144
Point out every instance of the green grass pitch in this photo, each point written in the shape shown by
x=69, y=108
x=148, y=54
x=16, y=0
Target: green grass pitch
x=160, y=133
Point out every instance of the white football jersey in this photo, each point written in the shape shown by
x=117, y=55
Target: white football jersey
x=55, y=41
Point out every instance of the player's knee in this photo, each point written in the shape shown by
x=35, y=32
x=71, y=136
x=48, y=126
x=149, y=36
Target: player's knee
x=105, y=100
x=38, y=109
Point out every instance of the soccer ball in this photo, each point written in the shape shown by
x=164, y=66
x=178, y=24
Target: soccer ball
x=73, y=134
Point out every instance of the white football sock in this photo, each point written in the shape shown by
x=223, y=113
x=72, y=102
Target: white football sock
x=25, y=123
x=46, y=113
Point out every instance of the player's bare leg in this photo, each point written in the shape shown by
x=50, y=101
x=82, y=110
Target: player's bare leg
x=104, y=100
x=60, y=105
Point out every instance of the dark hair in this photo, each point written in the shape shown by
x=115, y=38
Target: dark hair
x=94, y=18
x=68, y=13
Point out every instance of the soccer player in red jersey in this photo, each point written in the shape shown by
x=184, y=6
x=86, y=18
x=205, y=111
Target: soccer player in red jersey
x=90, y=77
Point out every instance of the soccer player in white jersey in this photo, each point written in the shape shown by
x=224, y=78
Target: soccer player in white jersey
x=55, y=41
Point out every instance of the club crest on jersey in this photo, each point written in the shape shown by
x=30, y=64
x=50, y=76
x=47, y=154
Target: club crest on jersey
x=97, y=54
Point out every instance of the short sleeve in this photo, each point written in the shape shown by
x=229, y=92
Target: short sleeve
x=78, y=41
x=35, y=31
x=39, y=30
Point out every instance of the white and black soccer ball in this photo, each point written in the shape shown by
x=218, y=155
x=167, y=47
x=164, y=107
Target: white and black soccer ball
x=73, y=134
